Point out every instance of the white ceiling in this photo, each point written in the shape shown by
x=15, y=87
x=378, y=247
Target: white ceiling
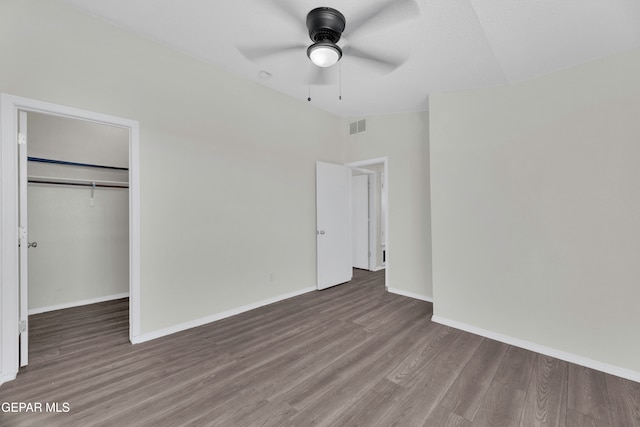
x=448, y=44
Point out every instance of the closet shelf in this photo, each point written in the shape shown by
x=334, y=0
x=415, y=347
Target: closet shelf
x=32, y=179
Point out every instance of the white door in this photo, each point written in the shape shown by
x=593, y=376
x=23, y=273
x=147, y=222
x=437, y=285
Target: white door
x=360, y=220
x=24, y=246
x=333, y=183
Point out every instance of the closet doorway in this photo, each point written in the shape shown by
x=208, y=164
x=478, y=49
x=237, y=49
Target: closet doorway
x=78, y=212
x=81, y=230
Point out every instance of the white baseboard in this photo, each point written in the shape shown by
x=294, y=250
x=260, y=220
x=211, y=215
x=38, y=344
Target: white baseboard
x=410, y=294
x=219, y=316
x=77, y=303
x=379, y=268
x=558, y=354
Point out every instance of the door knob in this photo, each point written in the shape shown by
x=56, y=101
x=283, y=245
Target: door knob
x=321, y=232
x=32, y=245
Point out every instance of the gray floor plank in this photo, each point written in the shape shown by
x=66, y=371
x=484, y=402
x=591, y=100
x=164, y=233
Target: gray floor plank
x=587, y=394
x=544, y=399
x=465, y=395
x=505, y=399
x=624, y=398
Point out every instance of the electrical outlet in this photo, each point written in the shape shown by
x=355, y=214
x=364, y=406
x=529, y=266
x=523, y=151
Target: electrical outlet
x=271, y=277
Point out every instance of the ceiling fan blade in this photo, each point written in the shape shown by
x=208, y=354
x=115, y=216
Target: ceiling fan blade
x=387, y=13
x=288, y=10
x=383, y=64
x=254, y=53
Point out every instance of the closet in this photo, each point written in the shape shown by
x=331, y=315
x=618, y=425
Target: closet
x=78, y=212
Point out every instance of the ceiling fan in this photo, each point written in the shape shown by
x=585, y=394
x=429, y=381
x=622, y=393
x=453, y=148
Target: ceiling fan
x=326, y=26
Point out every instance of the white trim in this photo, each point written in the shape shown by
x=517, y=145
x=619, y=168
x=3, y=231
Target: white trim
x=9, y=106
x=6, y=378
x=369, y=162
x=363, y=170
x=382, y=267
x=410, y=294
x=373, y=221
x=8, y=241
x=134, y=232
x=548, y=351
x=219, y=316
x=78, y=303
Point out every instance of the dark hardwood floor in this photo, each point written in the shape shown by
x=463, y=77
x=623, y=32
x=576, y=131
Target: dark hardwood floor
x=352, y=355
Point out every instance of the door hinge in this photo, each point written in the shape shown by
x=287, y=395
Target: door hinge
x=23, y=326
x=22, y=233
x=22, y=138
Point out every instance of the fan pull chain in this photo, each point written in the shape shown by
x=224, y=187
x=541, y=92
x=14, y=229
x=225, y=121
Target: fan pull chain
x=309, y=82
x=340, y=81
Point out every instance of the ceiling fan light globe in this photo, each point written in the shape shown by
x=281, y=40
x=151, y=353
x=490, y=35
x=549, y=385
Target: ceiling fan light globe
x=324, y=54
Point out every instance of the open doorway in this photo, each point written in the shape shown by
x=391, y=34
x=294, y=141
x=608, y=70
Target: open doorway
x=78, y=222
x=334, y=222
x=78, y=206
x=15, y=234
x=369, y=213
x=368, y=210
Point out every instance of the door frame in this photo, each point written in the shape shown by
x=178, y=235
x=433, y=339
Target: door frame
x=23, y=246
x=10, y=105
x=372, y=240
x=385, y=204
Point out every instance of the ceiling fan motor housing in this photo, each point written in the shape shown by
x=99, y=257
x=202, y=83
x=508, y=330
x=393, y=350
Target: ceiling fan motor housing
x=325, y=23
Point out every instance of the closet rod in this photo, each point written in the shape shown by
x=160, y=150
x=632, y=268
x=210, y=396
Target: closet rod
x=78, y=184
x=63, y=162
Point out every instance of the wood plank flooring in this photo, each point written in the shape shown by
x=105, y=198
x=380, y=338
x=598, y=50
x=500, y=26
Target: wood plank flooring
x=352, y=355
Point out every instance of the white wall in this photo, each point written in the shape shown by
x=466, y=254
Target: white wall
x=535, y=207
x=404, y=139
x=227, y=169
